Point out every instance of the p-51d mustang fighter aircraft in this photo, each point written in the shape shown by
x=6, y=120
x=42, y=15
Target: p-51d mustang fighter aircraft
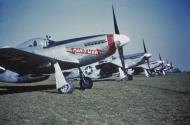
x=36, y=59
x=153, y=68
x=168, y=66
x=106, y=67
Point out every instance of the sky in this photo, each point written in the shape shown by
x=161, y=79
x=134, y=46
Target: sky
x=163, y=24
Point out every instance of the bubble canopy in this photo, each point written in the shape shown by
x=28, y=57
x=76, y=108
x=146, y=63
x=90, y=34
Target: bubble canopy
x=36, y=42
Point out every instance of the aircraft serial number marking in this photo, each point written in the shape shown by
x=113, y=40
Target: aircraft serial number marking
x=85, y=51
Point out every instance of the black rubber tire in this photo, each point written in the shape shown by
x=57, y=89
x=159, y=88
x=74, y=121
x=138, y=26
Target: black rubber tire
x=69, y=90
x=86, y=83
x=130, y=77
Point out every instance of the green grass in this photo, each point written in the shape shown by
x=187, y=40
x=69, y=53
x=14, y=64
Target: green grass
x=156, y=100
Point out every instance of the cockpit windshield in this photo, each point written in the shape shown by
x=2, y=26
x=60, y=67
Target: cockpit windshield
x=36, y=42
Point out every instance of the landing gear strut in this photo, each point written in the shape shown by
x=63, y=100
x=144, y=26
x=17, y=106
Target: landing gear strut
x=63, y=86
x=85, y=82
x=124, y=76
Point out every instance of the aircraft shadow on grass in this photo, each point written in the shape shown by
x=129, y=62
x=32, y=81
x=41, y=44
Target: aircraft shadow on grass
x=102, y=80
x=4, y=90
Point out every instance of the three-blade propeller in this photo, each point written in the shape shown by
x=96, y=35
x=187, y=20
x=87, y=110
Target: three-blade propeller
x=145, y=52
x=171, y=65
x=120, y=48
x=162, y=62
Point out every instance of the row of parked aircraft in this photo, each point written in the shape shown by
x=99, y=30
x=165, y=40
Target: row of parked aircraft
x=137, y=63
x=88, y=57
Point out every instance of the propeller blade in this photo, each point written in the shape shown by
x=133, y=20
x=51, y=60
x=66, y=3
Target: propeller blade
x=171, y=65
x=148, y=62
x=149, y=71
x=160, y=57
x=162, y=64
x=115, y=22
x=145, y=51
x=120, y=49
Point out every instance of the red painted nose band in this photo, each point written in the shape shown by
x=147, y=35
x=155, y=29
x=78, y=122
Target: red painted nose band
x=111, y=44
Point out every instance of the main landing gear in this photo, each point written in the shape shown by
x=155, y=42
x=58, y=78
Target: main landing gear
x=124, y=77
x=85, y=82
x=62, y=85
x=130, y=77
x=66, y=87
x=149, y=73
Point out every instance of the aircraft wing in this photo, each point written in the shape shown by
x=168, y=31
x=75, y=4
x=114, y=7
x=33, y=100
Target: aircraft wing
x=108, y=67
x=22, y=61
x=140, y=68
x=153, y=64
x=112, y=66
x=133, y=56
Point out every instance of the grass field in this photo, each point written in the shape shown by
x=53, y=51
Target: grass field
x=148, y=101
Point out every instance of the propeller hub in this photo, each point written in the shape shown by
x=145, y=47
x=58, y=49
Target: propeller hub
x=121, y=40
x=147, y=55
x=161, y=61
x=168, y=65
